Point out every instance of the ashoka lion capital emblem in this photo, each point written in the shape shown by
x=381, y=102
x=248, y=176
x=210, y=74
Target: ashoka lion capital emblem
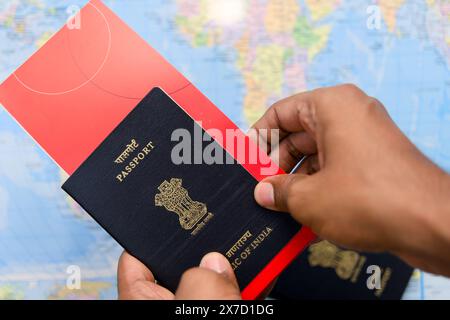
x=327, y=255
x=175, y=198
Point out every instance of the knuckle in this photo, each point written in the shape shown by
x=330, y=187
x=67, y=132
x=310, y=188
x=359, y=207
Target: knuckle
x=306, y=112
x=272, y=116
x=374, y=108
x=372, y=102
x=302, y=106
x=353, y=95
x=275, y=105
x=351, y=89
x=300, y=101
x=375, y=104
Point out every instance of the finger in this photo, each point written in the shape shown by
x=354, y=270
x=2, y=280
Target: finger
x=290, y=193
x=131, y=269
x=305, y=197
x=217, y=262
x=136, y=281
x=312, y=112
x=300, y=195
x=274, y=192
x=213, y=280
x=292, y=149
x=286, y=116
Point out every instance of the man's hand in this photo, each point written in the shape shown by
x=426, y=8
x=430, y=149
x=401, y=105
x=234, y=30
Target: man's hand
x=368, y=186
x=214, y=279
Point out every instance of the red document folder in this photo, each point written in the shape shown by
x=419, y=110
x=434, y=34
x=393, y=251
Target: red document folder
x=77, y=88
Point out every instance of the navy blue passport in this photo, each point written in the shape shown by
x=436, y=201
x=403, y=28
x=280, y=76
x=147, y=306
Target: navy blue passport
x=169, y=215
x=326, y=271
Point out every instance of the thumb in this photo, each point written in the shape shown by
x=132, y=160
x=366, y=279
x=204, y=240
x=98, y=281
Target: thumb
x=213, y=280
x=281, y=192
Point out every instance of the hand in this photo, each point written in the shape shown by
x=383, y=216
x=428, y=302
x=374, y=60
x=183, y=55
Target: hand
x=368, y=186
x=213, y=280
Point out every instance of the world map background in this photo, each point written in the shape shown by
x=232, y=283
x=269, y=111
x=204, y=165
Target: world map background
x=244, y=55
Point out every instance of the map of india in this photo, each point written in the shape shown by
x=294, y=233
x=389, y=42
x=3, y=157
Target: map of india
x=244, y=55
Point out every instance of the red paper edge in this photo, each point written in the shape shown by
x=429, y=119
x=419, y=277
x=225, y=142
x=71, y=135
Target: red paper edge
x=273, y=269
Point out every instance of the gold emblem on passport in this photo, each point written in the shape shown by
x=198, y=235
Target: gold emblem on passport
x=174, y=198
x=347, y=264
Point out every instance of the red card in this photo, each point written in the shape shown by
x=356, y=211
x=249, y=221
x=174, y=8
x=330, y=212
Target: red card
x=78, y=87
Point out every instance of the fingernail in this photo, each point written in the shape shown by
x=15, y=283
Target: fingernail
x=264, y=194
x=216, y=262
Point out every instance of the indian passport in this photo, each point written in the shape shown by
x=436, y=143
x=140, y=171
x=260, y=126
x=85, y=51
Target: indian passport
x=140, y=185
x=326, y=271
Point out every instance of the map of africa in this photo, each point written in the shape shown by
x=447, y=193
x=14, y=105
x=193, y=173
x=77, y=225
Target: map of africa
x=244, y=55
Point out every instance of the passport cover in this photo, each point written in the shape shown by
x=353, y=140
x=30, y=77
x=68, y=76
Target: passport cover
x=326, y=271
x=77, y=88
x=169, y=215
